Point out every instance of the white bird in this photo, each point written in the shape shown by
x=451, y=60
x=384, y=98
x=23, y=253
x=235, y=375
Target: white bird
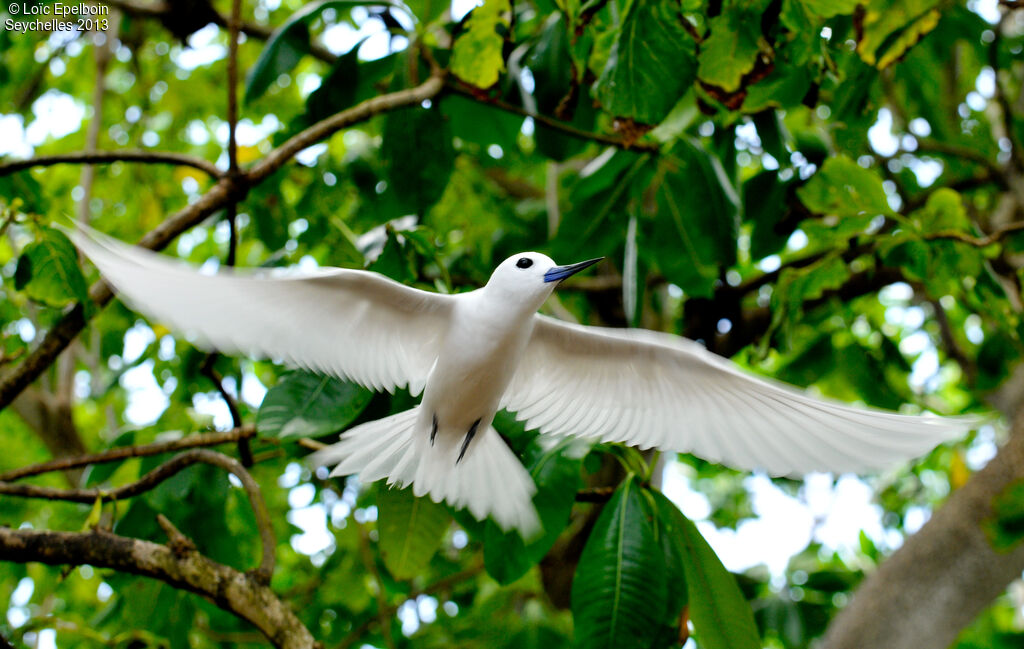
x=473, y=353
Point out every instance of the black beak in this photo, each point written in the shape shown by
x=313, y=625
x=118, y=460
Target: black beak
x=558, y=273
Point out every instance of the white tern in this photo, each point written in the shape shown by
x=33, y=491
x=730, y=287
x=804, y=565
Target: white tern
x=473, y=353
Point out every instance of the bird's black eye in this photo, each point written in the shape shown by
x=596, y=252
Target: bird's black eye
x=524, y=262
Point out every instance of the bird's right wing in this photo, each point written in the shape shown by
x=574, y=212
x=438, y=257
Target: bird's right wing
x=654, y=389
x=353, y=324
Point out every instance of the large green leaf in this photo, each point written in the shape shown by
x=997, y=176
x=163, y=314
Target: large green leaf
x=477, y=56
x=556, y=473
x=651, y=64
x=943, y=211
x=289, y=43
x=731, y=49
x=304, y=404
x=418, y=152
x=411, y=530
x=844, y=188
x=48, y=270
x=338, y=89
x=692, y=213
x=766, y=204
x=721, y=617
x=798, y=285
x=889, y=28
x=558, y=91
x=620, y=587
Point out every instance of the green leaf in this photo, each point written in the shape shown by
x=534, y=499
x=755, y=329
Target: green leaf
x=338, y=89
x=693, y=218
x=944, y=211
x=411, y=530
x=844, y=188
x=651, y=64
x=598, y=203
x=557, y=476
x=558, y=92
x=889, y=28
x=304, y=404
x=766, y=204
x=48, y=270
x=619, y=590
x=798, y=285
x=289, y=43
x=419, y=155
x=830, y=8
x=721, y=616
x=676, y=593
x=730, y=50
x=477, y=56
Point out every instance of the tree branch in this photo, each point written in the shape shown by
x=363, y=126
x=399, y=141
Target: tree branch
x=233, y=591
x=155, y=477
x=331, y=125
x=558, y=125
x=125, y=452
x=107, y=157
x=944, y=575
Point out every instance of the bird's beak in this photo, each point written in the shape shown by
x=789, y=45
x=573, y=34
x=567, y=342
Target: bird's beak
x=558, y=273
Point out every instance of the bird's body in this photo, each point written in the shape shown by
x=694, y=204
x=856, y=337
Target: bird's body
x=476, y=352
x=467, y=382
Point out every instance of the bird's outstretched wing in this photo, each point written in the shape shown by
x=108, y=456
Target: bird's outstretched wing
x=653, y=389
x=353, y=324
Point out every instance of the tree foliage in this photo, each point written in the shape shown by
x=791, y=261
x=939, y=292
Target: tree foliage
x=829, y=192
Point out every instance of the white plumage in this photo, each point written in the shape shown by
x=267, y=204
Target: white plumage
x=475, y=352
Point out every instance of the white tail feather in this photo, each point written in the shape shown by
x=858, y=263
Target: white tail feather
x=489, y=481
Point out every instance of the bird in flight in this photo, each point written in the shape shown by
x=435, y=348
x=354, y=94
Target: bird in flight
x=473, y=353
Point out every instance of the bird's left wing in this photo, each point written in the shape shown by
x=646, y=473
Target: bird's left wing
x=353, y=324
x=653, y=389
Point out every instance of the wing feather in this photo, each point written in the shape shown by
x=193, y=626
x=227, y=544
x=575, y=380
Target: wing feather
x=652, y=389
x=352, y=324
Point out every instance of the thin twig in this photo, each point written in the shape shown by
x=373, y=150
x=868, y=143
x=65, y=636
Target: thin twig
x=107, y=157
x=155, y=477
x=595, y=494
x=978, y=242
x=125, y=452
x=952, y=346
x=208, y=370
x=568, y=129
x=176, y=541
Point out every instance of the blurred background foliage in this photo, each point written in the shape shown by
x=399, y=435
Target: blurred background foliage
x=829, y=192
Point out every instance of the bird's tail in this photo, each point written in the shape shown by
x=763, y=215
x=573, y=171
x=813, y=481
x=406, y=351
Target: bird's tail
x=489, y=480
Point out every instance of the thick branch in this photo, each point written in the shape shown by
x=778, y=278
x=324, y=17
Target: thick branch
x=943, y=576
x=106, y=157
x=155, y=477
x=233, y=591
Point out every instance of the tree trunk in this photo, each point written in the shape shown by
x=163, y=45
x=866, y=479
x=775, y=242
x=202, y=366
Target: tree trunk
x=945, y=575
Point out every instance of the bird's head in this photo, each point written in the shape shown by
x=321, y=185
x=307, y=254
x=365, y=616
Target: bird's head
x=529, y=277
